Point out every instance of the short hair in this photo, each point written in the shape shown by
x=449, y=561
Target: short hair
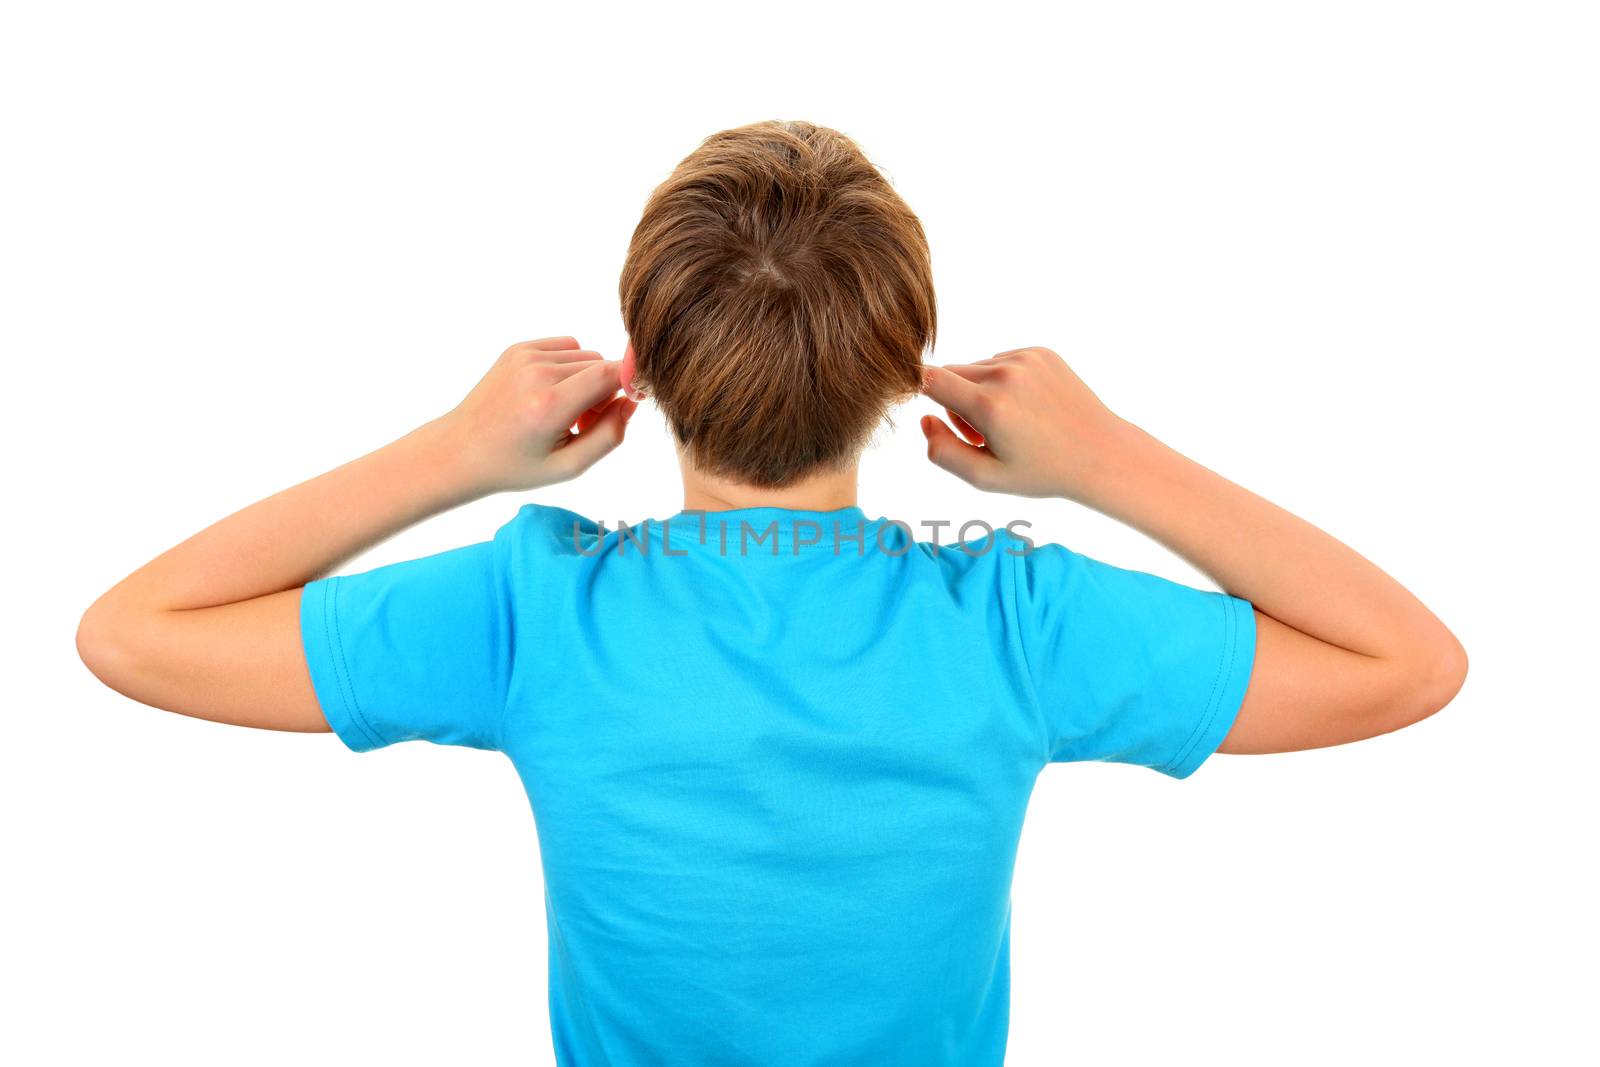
x=779, y=297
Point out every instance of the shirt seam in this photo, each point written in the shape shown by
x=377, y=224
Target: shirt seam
x=1214, y=700
x=1027, y=667
x=343, y=673
x=502, y=577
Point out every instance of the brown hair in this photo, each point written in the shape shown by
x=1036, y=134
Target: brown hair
x=779, y=297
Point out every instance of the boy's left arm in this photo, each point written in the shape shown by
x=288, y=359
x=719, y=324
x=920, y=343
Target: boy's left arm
x=211, y=628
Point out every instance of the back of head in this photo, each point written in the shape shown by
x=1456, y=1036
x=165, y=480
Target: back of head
x=779, y=297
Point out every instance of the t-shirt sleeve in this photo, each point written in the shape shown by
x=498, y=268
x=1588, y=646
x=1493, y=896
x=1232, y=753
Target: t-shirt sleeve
x=419, y=650
x=1128, y=667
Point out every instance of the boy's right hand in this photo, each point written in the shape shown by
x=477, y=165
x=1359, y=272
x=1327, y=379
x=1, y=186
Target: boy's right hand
x=1028, y=425
x=515, y=430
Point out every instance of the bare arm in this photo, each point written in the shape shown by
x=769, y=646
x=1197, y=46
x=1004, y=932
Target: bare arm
x=1343, y=651
x=211, y=628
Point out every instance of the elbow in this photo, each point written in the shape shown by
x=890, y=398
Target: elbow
x=1444, y=674
x=1433, y=677
x=103, y=642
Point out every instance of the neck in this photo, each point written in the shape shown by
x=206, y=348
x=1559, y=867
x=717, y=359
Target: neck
x=826, y=491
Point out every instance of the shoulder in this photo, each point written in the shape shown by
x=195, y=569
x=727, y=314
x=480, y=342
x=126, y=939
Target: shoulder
x=1009, y=564
x=976, y=553
x=548, y=527
x=544, y=530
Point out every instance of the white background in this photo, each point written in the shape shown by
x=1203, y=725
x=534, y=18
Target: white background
x=1344, y=253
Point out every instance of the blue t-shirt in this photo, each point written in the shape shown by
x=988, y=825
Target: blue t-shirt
x=778, y=760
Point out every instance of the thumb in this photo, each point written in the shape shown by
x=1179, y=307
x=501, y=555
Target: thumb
x=970, y=463
x=603, y=433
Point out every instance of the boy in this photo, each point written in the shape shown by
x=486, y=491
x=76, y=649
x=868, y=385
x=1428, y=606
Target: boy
x=778, y=783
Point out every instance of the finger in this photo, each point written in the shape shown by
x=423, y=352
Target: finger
x=553, y=344
x=999, y=357
x=566, y=355
x=590, y=417
x=955, y=392
x=559, y=371
x=589, y=387
x=580, y=451
x=964, y=428
x=970, y=463
x=974, y=372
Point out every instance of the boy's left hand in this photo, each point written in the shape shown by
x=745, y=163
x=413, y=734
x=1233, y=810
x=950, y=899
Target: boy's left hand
x=545, y=413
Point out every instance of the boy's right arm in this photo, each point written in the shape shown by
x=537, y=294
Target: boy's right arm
x=212, y=627
x=1343, y=651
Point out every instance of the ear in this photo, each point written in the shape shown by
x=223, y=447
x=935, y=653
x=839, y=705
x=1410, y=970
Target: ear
x=628, y=367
